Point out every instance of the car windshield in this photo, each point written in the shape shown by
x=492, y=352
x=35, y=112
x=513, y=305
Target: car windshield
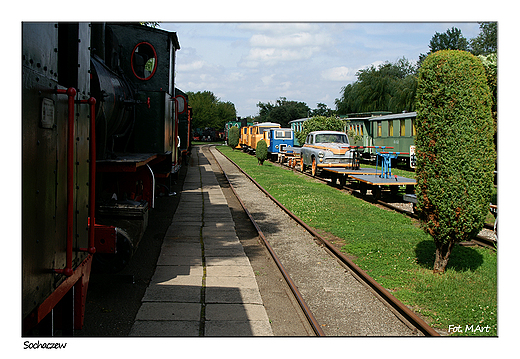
x=331, y=138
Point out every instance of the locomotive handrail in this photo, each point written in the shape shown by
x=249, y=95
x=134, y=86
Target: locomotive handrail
x=71, y=94
x=92, y=178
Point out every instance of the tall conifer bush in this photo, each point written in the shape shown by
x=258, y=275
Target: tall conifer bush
x=454, y=147
x=261, y=151
x=233, y=137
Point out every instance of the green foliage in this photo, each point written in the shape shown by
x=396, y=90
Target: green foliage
x=490, y=63
x=454, y=147
x=389, y=87
x=322, y=110
x=233, y=137
x=320, y=123
x=452, y=39
x=486, y=42
x=261, y=151
x=209, y=111
x=283, y=111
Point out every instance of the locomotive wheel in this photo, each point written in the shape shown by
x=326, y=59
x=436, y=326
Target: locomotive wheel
x=113, y=263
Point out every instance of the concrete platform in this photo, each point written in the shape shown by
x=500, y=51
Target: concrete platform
x=203, y=283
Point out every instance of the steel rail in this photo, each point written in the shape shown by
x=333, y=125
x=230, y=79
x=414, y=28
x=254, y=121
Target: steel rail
x=310, y=317
x=398, y=306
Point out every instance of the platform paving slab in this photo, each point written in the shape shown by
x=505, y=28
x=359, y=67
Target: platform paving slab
x=229, y=271
x=178, y=275
x=233, y=295
x=232, y=282
x=167, y=260
x=227, y=261
x=172, y=293
x=169, y=311
x=224, y=251
x=235, y=312
x=149, y=328
x=237, y=329
x=184, y=249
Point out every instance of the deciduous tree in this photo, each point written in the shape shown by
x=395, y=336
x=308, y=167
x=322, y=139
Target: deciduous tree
x=283, y=111
x=319, y=123
x=209, y=111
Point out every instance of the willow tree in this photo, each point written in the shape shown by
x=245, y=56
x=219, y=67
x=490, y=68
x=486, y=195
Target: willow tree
x=454, y=148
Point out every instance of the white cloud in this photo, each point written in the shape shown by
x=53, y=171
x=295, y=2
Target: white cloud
x=300, y=39
x=341, y=73
x=267, y=80
x=278, y=28
x=192, y=66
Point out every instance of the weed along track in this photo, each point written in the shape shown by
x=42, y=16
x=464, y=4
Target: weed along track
x=343, y=300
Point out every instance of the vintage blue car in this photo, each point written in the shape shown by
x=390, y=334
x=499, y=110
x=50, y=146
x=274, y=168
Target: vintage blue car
x=325, y=149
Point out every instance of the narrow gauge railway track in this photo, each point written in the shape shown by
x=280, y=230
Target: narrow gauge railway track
x=480, y=240
x=343, y=298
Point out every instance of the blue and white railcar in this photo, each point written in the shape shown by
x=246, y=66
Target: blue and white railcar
x=279, y=140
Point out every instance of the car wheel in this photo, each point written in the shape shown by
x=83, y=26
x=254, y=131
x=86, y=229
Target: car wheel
x=314, y=168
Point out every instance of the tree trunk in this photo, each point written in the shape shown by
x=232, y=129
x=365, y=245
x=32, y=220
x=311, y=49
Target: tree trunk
x=442, y=254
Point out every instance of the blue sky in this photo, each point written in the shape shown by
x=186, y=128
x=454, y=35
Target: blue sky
x=250, y=62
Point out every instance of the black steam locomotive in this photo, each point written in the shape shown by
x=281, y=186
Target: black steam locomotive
x=102, y=134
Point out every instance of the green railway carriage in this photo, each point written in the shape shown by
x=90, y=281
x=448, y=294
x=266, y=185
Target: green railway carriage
x=297, y=126
x=358, y=131
x=395, y=130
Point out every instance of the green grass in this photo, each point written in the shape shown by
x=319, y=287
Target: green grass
x=391, y=248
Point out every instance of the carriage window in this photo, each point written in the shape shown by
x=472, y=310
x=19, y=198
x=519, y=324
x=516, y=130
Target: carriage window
x=379, y=129
x=402, y=128
x=283, y=134
x=144, y=61
x=413, y=128
x=390, y=128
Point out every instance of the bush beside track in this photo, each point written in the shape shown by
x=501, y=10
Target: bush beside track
x=392, y=249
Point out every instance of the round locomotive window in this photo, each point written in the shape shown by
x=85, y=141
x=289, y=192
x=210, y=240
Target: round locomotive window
x=144, y=61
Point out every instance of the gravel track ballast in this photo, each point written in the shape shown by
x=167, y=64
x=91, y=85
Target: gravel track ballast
x=341, y=304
